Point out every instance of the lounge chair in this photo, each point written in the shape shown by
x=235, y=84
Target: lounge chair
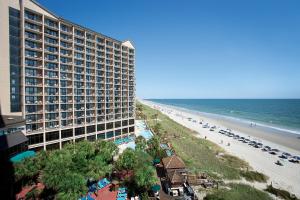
x=88, y=197
x=122, y=195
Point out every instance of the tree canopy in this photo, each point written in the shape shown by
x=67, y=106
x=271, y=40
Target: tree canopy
x=66, y=171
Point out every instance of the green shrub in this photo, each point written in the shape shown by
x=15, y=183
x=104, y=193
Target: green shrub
x=254, y=176
x=280, y=193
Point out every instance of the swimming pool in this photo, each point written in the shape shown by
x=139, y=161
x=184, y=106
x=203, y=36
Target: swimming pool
x=147, y=134
x=142, y=130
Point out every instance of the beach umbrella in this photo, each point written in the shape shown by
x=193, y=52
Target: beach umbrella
x=155, y=188
x=156, y=161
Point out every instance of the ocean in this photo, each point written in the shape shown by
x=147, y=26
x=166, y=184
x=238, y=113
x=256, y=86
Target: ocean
x=280, y=114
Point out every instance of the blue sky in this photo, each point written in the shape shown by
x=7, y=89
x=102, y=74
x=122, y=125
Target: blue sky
x=202, y=49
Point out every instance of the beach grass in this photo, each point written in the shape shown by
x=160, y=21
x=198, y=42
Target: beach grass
x=200, y=155
x=283, y=194
x=254, y=176
x=237, y=192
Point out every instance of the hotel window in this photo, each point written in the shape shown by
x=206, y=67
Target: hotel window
x=15, y=59
x=63, y=51
x=51, y=57
x=31, y=26
x=109, y=43
x=51, y=65
x=79, y=33
x=52, y=146
x=78, y=55
x=64, y=28
x=78, y=62
x=79, y=41
x=51, y=91
x=63, y=99
x=91, y=138
x=35, y=139
x=88, y=57
x=51, y=49
x=89, y=36
x=52, y=136
x=51, y=32
x=89, y=50
x=30, y=90
x=110, y=134
x=63, y=91
x=30, y=35
x=79, y=131
x=118, y=132
x=31, y=81
x=91, y=129
x=124, y=130
x=31, y=54
x=51, y=23
x=51, y=40
x=79, y=48
x=67, y=133
x=64, y=44
x=100, y=40
x=90, y=44
x=88, y=64
x=30, y=44
x=31, y=63
x=29, y=15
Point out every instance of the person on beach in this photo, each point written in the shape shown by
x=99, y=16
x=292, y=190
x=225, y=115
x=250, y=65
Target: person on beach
x=205, y=137
x=221, y=141
x=228, y=144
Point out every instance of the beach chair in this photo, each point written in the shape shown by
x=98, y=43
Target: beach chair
x=105, y=181
x=89, y=197
x=100, y=184
x=122, y=190
x=122, y=195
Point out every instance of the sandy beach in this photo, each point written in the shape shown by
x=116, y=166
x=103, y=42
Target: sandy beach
x=286, y=177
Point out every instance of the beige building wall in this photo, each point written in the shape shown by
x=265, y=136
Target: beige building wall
x=4, y=56
x=4, y=49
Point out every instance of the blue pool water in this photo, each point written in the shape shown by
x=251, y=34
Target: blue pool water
x=21, y=156
x=146, y=133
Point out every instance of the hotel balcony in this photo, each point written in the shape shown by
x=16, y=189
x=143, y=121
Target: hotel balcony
x=66, y=37
x=32, y=17
x=66, y=29
x=100, y=118
x=53, y=125
x=33, y=27
x=66, y=45
x=34, y=127
x=34, y=37
x=110, y=117
x=49, y=23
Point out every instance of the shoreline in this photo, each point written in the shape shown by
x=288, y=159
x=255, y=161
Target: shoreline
x=290, y=141
x=285, y=177
x=273, y=127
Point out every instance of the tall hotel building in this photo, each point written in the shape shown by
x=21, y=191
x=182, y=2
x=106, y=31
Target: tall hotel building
x=68, y=82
